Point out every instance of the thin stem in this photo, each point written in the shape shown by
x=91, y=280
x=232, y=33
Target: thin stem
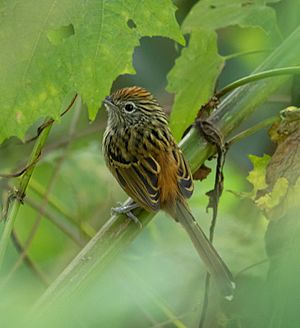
x=15, y=203
x=38, y=272
x=53, y=201
x=85, y=228
x=16, y=174
x=245, y=53
x=50, y=121
x=258, y=76
x=158, y=301
x=166, y=323
x=42, y=207
x=80, y=134
x=28, y=261
x=250, y=131
x=205, y=300
x=217, y=191
x=16, y=198
x=71, y=232
x=251, y=266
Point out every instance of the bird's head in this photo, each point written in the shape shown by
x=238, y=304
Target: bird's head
x=132, y=106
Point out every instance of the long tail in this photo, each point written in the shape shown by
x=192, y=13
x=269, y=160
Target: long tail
x=212, y=260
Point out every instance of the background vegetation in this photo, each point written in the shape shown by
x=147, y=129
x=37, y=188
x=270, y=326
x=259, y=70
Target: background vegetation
x=182, y=52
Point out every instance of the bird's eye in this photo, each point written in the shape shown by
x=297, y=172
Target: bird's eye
x=129, y=107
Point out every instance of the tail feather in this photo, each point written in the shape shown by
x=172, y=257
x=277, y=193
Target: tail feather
x=212, y=260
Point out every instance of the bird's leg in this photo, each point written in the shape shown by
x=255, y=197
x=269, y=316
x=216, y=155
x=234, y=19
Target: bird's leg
x=127, y=210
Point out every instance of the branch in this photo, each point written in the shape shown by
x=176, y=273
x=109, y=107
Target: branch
x=16, y=199
x=27, y=260
x=256, y=77
x=119, y=232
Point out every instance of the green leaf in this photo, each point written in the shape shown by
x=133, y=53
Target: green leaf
x=200, y=61
x=257, y=177
x=56, y=36
x=192, y=78
x=217, y=14
x=51, y=48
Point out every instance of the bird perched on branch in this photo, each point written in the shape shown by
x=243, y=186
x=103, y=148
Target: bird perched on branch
x=143, y=156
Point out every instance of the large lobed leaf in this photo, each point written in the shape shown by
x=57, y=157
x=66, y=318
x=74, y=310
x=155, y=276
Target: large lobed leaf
x=50, y=48
x=194, y=75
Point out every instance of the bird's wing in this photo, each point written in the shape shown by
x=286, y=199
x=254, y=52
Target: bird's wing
x=184, y=175
x=140, y=180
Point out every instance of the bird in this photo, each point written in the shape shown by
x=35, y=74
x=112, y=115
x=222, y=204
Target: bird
x=143, y=156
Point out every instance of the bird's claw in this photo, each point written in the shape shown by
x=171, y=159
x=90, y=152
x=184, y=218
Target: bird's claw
x=127, y=211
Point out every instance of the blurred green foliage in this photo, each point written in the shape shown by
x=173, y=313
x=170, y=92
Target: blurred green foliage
x=159, y=280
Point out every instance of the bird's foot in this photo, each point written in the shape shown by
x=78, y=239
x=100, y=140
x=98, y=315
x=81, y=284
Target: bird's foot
x=127, y=210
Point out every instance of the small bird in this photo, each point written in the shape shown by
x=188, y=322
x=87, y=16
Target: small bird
x=142, y=155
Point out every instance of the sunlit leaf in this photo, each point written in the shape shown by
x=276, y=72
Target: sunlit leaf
x=273, y=198
x=51, y=48
x=257, y=177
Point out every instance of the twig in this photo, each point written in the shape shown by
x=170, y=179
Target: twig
x=257, y=76
x=214, y=137
x=246, y=53
x=57, y=221
x=26, y=258
x=51, y=121
x=214, y=101
x=85, y=228
x=205, y=300
x=157, y=301
x=248, y=132
x=41, y=212
x=21, y=172
x=17, y=198
x=251, y=266
x=43, y=206
x=80, y=134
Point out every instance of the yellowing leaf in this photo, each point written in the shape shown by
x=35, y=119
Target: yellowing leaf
x=273, y=198
x=257, y=176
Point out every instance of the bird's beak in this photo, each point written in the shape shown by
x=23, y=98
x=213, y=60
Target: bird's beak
x=108, y=102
